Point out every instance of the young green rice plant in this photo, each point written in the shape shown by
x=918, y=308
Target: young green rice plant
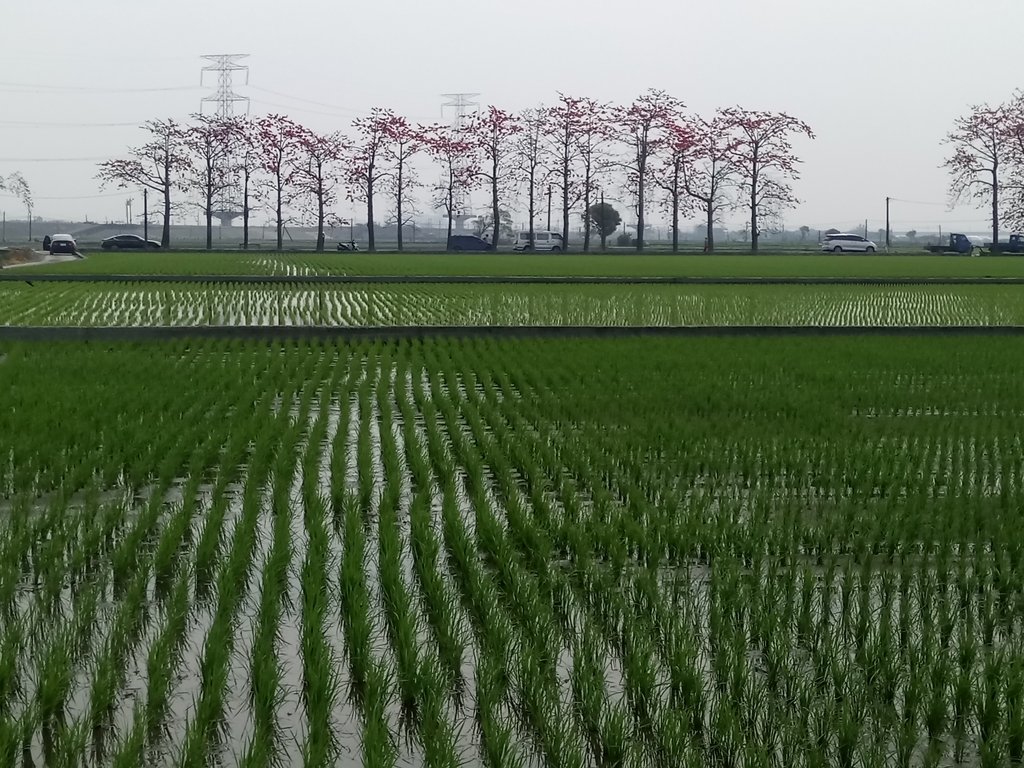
x=165, y=657
x=205, y=733
x=988, y=707
x=1014, y=697
x=320, y=680
x=436, y=731
x=55, y=676
x=378, y=746
x=109, y=667
x=588, y=689
x=355, y=601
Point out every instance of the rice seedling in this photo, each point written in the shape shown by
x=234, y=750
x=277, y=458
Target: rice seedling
x=590, y=552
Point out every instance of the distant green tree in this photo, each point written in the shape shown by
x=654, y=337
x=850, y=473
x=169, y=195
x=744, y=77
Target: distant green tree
x=485, y=224
x=605, y=219
x=804, y=231
x=912, y=234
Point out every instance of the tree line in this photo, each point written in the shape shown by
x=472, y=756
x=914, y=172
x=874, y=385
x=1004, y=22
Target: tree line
x=654, y=150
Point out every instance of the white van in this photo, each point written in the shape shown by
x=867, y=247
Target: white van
x=542, y=241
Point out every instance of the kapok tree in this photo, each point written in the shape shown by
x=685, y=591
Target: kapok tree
x=593, y=131
x=207, y=144
x=493, y=133
x=530, y=153
x=243, y=164
x=640, y=126
x=404, y=142
x=157, y=165
x=670, y=173
x=708, y=174
x=574, y=129
x=366, y=166
x=561, y=129
x=455, y=156
x=317, y=176
x=982, y=142
x=765, y=163
x=278, y=150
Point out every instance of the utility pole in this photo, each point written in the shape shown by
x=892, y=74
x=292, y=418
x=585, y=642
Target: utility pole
x=603, y=248
x=887, y=235
x=549, y=207
x=865, y=229
x=145, y=214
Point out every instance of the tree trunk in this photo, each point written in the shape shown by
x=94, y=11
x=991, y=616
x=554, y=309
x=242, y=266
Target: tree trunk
x=280, y=217
x=209, y=207
x=451, y=209
x=320, y=237
x=532, y=208
x=495, y=213
x=586, y=211
x=165, y=235
x=640, y=218
x=754, y=235
x=675, y=221
x=995, y=202
x=371, y=242
x=565, y=202
x=398, y=204
x=641, y=167
x=209, y=224
x=711, y=228
x=245, y=211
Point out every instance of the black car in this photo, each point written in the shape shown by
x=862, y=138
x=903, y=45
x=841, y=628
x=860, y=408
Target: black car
x=468, y=243
x=129, y=242
x=63, y=244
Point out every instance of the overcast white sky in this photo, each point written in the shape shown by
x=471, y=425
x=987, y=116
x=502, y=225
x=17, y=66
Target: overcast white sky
x=879, y=81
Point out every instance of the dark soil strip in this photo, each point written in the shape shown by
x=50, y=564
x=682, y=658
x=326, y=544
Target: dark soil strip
x=506, y=279
x=389, y=333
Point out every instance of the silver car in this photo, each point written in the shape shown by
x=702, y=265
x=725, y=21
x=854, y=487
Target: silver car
x=841, y=241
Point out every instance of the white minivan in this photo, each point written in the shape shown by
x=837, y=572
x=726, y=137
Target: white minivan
x=542, y=241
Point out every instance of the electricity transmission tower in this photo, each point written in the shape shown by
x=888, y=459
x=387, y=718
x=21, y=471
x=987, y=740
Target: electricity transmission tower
x=225, y=98
x=225, y=65
x=462, y=105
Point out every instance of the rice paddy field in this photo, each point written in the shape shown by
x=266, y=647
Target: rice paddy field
x=732, y=551
x=620, y=264
x=433, y=304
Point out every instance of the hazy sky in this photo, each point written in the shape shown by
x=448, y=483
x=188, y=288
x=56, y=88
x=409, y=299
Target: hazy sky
x=879, y=81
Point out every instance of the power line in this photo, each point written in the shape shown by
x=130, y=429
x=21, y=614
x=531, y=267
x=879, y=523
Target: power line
x=52, y=159
x=5, y=86
x=309, y=101
x=69, y=197
x=37, y=124
x=917, y=202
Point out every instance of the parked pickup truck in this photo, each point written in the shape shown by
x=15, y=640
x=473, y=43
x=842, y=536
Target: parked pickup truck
x=959, y=243
x=1015, y=244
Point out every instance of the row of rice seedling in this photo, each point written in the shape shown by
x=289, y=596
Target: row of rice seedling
x=183, y=304
x=633, y=552
x=629, y=264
